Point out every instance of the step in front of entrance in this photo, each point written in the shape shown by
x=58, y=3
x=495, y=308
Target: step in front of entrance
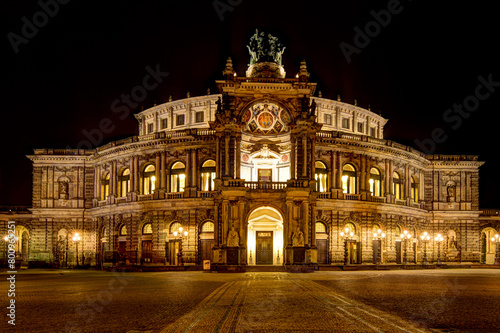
x=266, y=268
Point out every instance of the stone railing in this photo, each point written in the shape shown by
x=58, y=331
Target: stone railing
x=379, y=199
x=266, y=185
x=490, y=212
x=175, y=195
x=145, y=197
x=352, y=196
x=206, y=194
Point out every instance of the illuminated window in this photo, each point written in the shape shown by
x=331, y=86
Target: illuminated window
x=124, y=183
x=397, y=184
x=147, y=229
x=105, y=187
x=207, y=227
x=208, y=175
x=375, y=182
x=177, y=177
x=328, y=119
x=346, y=123
x=414, y=189
x=349, y=179
x=149, y=180
x=123, y=230
x=174, y=227
x=321, y=176
x=320, y=227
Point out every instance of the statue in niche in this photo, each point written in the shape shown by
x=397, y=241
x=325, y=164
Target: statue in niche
x=312, y=109
x=451, y=190
x=298, y=238
x=233, y=239
x=63, y=190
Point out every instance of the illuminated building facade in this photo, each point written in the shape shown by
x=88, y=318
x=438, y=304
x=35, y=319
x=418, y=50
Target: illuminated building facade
x=262, y=173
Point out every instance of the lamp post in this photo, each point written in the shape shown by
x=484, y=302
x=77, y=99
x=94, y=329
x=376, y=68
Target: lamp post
x=180, y=234
x=405, y=236
x=425, y=237
x=378, y=237
x=76, y=239
x=496, y=239
x=347, y=235
x=439, y=239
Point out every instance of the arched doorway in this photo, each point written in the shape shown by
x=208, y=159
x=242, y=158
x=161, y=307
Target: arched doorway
x=488, y=246
x=265, y=237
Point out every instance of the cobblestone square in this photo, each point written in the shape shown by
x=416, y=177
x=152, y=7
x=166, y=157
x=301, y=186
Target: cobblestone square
x=440, y=300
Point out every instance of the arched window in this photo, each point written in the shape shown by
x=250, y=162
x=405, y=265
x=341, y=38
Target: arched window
x=177, y=177
x=105, y=187
x=320, y=227
x=124, y=182
x=174, y=227
x=349, y=179
x=123, y=230
x=397, y=184
x=349, y=229
x=149, y=179
x=414, y=189
x=375, y=182
x=321, y=176
x=208, y=175
x=147, y=229
x=207, y=227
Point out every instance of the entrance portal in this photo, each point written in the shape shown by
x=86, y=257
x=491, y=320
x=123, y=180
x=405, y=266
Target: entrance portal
x=265, y=237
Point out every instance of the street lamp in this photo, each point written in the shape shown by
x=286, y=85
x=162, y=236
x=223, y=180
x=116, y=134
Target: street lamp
x=439, y=239
x=405, y=236
x=425, y=237
x=76, y=238
x=496, y=239
x=378, y=237
x=347, y=234
x=180, y=234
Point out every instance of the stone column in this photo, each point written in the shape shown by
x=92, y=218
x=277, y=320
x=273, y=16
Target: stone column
x=217, y=158
x=163, y=183
x=226, y=155
x=137, y=180
x=293, y=161
x=304, y=154
x=238, y=157
x=157, y=172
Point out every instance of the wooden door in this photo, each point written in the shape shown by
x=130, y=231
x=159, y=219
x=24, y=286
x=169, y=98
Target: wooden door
x=206, y=249
x=122, y=250
x=147, y=251
x=264, y=251
x=322, y=248
x=173, y=249
x=398, y=253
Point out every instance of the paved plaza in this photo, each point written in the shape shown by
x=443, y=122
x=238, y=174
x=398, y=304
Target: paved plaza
x=438, y=300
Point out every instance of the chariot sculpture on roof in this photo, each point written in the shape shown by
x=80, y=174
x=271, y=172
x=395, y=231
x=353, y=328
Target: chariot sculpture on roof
x=265, y=48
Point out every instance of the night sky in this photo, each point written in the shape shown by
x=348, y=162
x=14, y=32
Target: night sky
x=61, y=78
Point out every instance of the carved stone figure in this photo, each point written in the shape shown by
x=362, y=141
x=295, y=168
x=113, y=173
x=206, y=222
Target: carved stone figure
x=298, y=238
x=63, y=190
x=233, y=239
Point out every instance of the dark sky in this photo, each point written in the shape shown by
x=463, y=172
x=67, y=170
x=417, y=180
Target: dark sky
x=85, y=55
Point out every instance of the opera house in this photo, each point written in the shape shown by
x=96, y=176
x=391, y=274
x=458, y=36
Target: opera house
x=265, y=172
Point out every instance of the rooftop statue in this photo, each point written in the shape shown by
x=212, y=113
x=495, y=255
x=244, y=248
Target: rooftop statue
x=264, y=48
